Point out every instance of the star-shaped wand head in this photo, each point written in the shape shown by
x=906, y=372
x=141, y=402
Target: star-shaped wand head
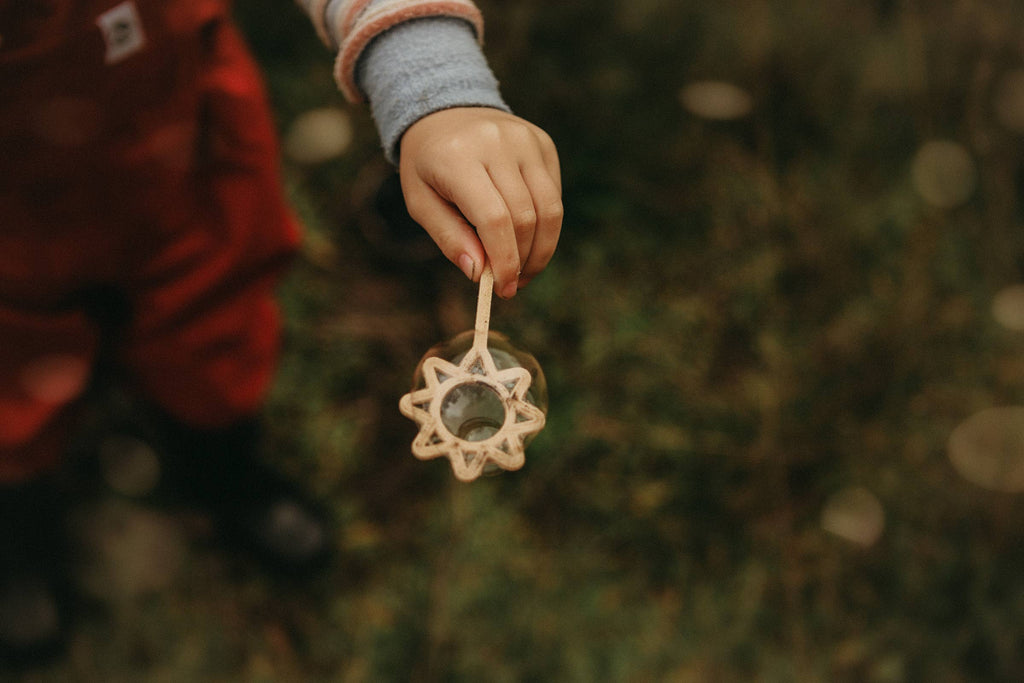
x=481, y=406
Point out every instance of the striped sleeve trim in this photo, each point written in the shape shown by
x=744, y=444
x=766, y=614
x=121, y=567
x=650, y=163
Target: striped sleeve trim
x=317, y=10
x=360, y=22
x=351, y=14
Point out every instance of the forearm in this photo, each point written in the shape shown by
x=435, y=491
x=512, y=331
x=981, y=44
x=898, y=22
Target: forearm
x=422, y=67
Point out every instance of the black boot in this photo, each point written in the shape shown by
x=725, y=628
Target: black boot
x=34, y=588
x=255, y=506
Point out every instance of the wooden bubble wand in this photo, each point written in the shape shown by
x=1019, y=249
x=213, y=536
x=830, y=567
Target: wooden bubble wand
x=452, y=389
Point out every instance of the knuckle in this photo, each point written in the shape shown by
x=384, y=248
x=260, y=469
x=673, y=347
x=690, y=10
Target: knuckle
x=510, y=268
x=545, y=140
x=449, y=246
x=541, y=256
x=525, y=219
x=552, y=212
x=519, y=130
x=505, y=266
x=486, y=132
x=494, y=221
x=452, y=147
x=450, y=242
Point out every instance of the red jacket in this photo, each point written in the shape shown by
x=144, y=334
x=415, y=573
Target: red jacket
x=137, y=151
x=77, y=106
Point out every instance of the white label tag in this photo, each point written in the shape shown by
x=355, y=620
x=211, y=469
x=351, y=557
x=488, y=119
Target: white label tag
x=122, y=31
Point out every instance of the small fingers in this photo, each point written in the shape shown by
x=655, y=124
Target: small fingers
x=521, y=206
x=446, y=225
x=547, y=200
x=549, y=156
x=484, y=206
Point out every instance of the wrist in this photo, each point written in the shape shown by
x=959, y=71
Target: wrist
x=421, y=67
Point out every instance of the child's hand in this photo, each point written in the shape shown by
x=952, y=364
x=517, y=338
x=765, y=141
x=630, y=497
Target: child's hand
x=486, y=186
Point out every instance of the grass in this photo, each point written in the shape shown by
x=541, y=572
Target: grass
x=744, y=318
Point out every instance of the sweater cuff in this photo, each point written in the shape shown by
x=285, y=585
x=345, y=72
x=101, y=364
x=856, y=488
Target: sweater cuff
x=422, y=66
x=355, y=23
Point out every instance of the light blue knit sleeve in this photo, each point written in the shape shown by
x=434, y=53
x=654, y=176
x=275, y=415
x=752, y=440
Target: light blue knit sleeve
x=419, y=67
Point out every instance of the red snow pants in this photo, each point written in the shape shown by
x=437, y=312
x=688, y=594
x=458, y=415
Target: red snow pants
x=137, y=153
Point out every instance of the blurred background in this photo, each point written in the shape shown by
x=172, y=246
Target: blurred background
x=784, y=342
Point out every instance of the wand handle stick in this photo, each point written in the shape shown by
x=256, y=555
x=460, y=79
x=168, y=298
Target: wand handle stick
x=483, y=308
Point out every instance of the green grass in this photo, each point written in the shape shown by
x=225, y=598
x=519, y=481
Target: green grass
x=743, y=319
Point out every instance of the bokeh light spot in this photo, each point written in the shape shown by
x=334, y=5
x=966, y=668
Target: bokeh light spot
x=130, y=466
x=1008, y=308
x=127, y=551
x=318, y=135
x=55, y=379
x=716, y=100
x=854, y=514
x=987, y=448
x=943, y=173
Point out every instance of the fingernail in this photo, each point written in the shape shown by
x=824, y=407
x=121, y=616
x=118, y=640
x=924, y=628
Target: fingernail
x=509, y=291
x=468, y=266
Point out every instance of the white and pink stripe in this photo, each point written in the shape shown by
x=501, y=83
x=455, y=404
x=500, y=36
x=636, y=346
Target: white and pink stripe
x=316, y=9
x=352, y=24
